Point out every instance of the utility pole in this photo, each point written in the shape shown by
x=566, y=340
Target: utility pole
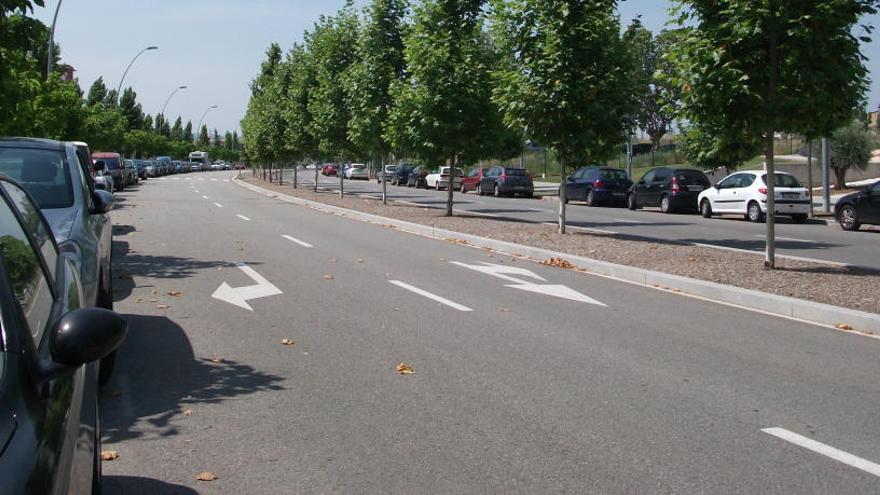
x=826, y=177
x=810, y=174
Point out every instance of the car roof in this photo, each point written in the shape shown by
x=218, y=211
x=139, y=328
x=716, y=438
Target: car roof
x=32, y=143
x=106, y=154
x=759, y=171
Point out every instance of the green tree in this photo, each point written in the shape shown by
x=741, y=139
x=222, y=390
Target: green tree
x=148, y=123
x=131, y=109
x=851, y=147
x=188, y=132
x=104, y=128
x=263, y=124
x=204, y=143
x=177, y=130
x=297, y=119
x=97, y=92
x=706, y=149
x=751, y=68
x=570, y=84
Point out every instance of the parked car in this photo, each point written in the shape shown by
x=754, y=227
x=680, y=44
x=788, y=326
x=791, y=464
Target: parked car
x=329, y=170
x=745, y=193
x=416, y=177
x=439, y=180
x=387, y=174
x=506, y=181
x=357, y=171
x=114, y=164
x=55, y=174
x=852, y=210
x=184, y=167
x=141, y=167
x=102, y=179
x=672, y=189
x=152, y=169
x=133, y=172
x=195, y=167
x=597, y=185
x=401, y=174
x=216, y=166
x=471, y=181
x=49, y=426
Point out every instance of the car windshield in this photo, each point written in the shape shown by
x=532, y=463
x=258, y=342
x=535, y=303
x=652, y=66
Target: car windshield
x=783, y=180
x=692, y=177
x=515, y=172
x=41, y=173
x=612, y=174
x=110, y=163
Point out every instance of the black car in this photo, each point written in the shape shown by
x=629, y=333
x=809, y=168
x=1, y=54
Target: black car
x=416, y=177
x=597, y=185
x=401, y=175
x=506, y=181
x=852, y=210
x=672, y=189
x=50, y=440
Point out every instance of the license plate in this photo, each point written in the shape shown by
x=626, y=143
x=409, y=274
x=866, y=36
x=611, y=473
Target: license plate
x=790, y=195
x=696, y=188
x=618, y=194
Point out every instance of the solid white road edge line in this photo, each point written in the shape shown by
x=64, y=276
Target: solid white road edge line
x=826, y=450
x=435, y=297
x=297, y=241
x=218, y=205
x=243, y=217
x=787, y=239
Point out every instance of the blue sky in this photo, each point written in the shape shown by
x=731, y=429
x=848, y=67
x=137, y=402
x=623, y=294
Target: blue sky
x=216, y=47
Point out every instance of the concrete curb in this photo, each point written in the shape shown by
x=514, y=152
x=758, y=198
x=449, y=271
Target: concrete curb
x=773, y=304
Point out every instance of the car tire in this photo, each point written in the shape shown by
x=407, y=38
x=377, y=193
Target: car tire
x=799, y=218
x=436, y=186
x=590, y=198
x=848, y=218
x=665, y=204
x=497, y=191
x=631, y=202
x=754, y=212
x=462, y=189
x=706, y=208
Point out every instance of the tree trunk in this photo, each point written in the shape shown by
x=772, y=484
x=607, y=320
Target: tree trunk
x=316, y=177
x=384, y=180
x=281, y=175
x=562, y=196
x=295, y=175
x=810, y=175
x=770, y=260
x=341, y=180
x=453, y=165
x=839, y=178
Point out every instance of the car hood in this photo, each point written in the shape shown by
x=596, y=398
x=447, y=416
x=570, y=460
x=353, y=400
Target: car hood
x=61, y=220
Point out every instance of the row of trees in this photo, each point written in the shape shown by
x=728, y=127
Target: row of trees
x=455, y=81
x=34, y=103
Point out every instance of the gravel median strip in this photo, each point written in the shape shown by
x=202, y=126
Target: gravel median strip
x=848, y=287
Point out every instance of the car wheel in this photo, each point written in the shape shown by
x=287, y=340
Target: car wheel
x=754, y=213
x=665, y=205
x=590, y=198
x=799, y=218
x=631, y=202
x=706, y=209
x=462, y=189
x=848, y=218
x=497, y=191
x=436, y=185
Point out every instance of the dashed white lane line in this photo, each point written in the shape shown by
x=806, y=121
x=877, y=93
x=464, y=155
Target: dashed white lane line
x=204, y=197
x=625, y=220
x=215, y=180
x=297, y=241
x=762, y=236
x=175, y=178
x=218, y=205
x=826, y=450
x=429, y=295
x=243, y=217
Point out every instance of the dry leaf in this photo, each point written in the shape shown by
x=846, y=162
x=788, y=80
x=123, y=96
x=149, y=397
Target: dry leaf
x=504, y=310
x=109, y=455
x=175, y=293
x=153, y=300
x=138, y=300
x=216, y=359
x=163, y=306
x=558, y=263
x=692, y=259
x=206, y=476
x=155, y=292
x=396, y=309
x=404, y=369
x=188, y=412
x=329, y=277
x=843, y=326
x=286, y=342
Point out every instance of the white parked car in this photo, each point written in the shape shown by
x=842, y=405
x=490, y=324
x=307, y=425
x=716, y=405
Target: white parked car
x=357, y=171
x=216, y=166
x=440, y=180
x=745, y=193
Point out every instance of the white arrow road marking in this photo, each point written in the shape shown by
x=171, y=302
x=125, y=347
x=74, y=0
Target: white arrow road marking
x=240, y=295
x=510, y=272
x=826, y=450
x=297, y=241
x=243, y=217
x=429, y=295
x=218, y=205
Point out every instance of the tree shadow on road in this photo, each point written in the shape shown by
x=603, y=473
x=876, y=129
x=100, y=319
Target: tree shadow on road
x=158, y=377
x=135, y=485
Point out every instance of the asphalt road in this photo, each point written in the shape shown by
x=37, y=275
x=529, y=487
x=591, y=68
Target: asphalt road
x=813, y=240
x=528, y=379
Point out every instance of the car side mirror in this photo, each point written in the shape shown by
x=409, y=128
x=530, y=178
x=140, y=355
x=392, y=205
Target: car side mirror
x=103, y=201
x=717, y=186
x=99, y=166
x=82, y=336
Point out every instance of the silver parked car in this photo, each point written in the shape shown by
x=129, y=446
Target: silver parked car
x=56, y=175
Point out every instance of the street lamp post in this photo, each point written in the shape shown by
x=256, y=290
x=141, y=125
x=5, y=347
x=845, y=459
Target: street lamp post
x=199, y=128
x=169, y=98
x=51, y=48
x=119, y=89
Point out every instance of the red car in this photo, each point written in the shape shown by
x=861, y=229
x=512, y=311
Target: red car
x=472, y=179
x=329, y=170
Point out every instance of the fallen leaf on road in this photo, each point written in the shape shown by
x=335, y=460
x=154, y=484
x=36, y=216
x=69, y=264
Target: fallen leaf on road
x=187, y=412
x=153, y=300
x=843, y=326
x=329, y=277
x=216, y=360
x=109, y=455
x=138, y=300
x=286, y=342
x=396, y=309
x=558, y=263
x=360, y=260
x=206, y=476
x=692, y=259
x=155, y=292
x=163, y=306
x=504, y=310
x=404, y=369
x=175, y=293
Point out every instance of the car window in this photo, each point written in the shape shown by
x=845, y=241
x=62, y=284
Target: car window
x=515, y=172
x=615, y=175
x=731, y=182
x=661, y=175
x=649, y=177
x=42, y=173
x=875, y=187
x=33, y=224
x=685, y=176
x=747, y=180
x=85, y=178
x=783, y=180
x=27, y=277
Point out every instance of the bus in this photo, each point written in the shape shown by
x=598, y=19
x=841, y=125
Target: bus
x=201, y=160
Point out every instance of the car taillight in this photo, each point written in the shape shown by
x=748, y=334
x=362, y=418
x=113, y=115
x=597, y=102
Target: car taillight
x=675, y=187
x=503, y=177
x=598, y=184
x=762, y=190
